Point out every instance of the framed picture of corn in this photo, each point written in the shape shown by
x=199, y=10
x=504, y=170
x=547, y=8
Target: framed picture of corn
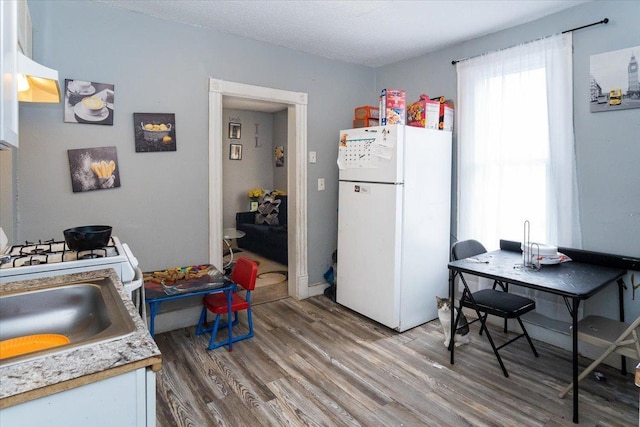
x=154, y=132
x=94, y=168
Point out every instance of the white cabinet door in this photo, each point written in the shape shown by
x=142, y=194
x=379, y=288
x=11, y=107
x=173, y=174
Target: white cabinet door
x=8, y=69
x=121, y=401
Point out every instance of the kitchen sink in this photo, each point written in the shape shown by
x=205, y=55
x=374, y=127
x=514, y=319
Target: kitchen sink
x=86, y=312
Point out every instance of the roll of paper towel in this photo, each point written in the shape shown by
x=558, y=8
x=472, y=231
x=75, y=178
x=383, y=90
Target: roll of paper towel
x=540, y=249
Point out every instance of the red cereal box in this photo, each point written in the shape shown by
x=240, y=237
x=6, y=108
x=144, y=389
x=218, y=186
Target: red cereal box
x=424, y=113
x=445, y=121
x=392, y=107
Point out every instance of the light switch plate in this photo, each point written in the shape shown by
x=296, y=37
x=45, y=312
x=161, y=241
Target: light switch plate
x=312, y=156
x=320, y=184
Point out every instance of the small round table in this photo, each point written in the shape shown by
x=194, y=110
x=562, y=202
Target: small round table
x=228, y=234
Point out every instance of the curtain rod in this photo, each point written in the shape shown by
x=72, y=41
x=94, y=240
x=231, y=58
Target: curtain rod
x=604, y=21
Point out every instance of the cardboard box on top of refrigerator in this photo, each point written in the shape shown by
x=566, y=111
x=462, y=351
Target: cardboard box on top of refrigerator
x=424, y=113
x=365, y=123
x=445, y=119
x=393, y=107
x=366, y=112
x=445, y=114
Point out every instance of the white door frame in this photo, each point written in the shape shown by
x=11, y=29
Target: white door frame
x=296, y=174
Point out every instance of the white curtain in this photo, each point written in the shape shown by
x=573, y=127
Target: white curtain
x=516, y=154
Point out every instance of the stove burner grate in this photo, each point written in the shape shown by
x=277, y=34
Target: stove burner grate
x=35, y=251
x=34, y=261
x=36, y=248
x=52, y=252
x=91, y=255
x=30, y=260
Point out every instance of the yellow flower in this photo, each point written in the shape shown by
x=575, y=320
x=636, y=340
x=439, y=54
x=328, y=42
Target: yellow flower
x=255, y=193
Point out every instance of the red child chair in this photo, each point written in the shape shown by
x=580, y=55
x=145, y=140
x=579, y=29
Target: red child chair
x=244, y=274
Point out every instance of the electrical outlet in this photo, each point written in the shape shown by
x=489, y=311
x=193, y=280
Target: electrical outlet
x=320, y=184
x=312, y=156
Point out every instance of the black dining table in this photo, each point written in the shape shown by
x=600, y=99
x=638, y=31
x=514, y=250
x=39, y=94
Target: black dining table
x=574, y=281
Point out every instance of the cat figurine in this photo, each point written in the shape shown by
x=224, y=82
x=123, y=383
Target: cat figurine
x=444, y=314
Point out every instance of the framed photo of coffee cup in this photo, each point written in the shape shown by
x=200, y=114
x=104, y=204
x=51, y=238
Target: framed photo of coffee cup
x=235, y=152
x=234, y=130
x=88, y=102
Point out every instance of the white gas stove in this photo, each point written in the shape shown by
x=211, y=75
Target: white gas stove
x=35, y=260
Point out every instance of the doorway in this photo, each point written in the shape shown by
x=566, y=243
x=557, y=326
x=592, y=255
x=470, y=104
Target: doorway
x=296, y=105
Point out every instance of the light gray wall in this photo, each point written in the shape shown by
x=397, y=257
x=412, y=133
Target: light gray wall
x=255, y=170
x=158, y=66
x=607, y=144
x=280, y=132
x=7, y=193
x=161, y=209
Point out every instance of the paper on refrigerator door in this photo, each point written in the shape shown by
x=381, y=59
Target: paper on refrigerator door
x=382, y=152
x=383, y=146
x=358, y=152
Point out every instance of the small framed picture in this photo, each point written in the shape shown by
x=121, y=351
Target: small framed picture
x=154, y=132
x=94, y=168
x=234, y=130
x=235, y=152
x=279, y=152
x=253, y=206
x=88, y=102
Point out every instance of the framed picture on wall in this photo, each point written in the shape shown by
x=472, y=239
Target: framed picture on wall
x=154, y=132
x=279, y=156
x=235, y=152
x=88, y=102
x=94, y=169
x=614, y=84
x=234, y=130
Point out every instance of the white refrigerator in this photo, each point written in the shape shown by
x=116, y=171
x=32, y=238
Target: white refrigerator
x=393, y=223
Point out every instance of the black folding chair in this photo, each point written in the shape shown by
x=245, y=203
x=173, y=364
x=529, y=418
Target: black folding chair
x=495, y=302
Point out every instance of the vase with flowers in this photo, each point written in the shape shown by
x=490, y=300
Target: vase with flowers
x=254, y=198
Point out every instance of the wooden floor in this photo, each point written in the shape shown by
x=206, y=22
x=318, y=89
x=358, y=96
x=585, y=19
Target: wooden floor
x=316, y=363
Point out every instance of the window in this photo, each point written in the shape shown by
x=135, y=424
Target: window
x=516, y=156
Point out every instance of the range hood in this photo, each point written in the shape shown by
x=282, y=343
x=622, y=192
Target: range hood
x=36, y=83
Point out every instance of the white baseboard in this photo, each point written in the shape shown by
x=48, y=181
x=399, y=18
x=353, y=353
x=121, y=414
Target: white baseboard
x=318, y=288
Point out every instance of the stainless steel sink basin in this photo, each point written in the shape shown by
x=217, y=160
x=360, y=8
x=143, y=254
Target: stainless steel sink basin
x=86, y=312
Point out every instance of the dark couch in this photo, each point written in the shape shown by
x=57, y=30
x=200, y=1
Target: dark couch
x=269, y=241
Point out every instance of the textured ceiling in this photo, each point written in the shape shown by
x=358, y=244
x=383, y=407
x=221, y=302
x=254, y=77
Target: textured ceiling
x=372, y=33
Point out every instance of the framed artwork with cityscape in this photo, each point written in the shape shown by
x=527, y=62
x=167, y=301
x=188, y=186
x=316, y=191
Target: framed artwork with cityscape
x=614, y=81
